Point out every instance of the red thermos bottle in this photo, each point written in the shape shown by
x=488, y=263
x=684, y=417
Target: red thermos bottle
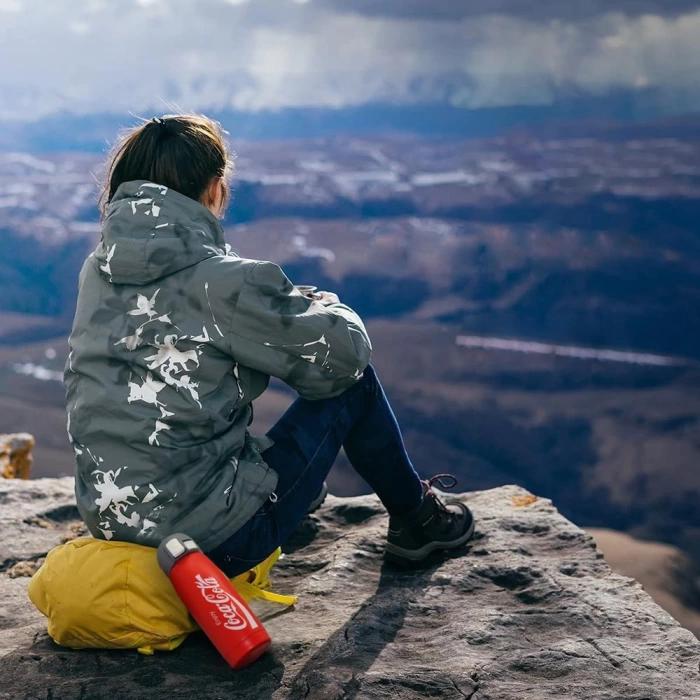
x=213, y=602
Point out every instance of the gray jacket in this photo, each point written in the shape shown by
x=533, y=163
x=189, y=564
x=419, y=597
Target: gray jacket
x=174, y=337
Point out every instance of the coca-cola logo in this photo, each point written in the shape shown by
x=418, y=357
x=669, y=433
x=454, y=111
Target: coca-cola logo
x=237, y=617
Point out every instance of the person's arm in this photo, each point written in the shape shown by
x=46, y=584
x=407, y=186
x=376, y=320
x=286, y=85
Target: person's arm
x=318, y=349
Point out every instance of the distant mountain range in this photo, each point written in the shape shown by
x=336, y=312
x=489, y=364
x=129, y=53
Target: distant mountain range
x=587, y=240
x=67, y=131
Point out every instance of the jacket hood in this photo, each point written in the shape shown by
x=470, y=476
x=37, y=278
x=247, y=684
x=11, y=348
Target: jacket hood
x=151, y=231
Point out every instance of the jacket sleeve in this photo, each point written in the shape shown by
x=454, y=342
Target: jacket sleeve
x=319, y=350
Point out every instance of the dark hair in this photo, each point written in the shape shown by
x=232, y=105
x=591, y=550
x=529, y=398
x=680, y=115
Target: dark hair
x=181, y=152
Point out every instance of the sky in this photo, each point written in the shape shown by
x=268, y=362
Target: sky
x=87, y=56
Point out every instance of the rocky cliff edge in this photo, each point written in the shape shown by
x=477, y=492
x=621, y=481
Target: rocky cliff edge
x=529, y=610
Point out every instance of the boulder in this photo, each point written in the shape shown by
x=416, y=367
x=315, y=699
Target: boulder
x=16, y=455
x=529, y=610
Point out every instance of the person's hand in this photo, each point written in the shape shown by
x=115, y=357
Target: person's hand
x=327, y=298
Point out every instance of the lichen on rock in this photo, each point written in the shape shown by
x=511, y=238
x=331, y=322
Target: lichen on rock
x=529, y=610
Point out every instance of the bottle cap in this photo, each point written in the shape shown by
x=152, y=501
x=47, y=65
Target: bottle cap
x=173, y=548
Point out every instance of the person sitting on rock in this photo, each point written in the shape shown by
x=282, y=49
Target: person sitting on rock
x=175, y=336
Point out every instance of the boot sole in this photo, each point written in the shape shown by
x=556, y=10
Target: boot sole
x=399, y=555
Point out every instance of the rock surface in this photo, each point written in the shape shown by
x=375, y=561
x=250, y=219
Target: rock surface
x=16, y=455
x=670, y=577
x=529, y=610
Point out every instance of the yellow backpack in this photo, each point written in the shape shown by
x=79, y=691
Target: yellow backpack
x=114, y=595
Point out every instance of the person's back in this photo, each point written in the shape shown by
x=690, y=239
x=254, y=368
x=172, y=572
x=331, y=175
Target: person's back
x=157, y=409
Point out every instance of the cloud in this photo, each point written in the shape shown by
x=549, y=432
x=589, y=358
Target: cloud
x=100, y=55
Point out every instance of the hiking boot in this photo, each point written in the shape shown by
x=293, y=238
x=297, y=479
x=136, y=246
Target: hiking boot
x=318, y=501
x=433, y=526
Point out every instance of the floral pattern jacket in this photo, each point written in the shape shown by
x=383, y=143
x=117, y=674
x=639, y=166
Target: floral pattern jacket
x=174, y=337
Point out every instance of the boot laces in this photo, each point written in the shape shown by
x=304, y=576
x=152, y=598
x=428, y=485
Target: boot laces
x=438, y=478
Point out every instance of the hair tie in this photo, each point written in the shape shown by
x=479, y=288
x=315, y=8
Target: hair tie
x=161, y=123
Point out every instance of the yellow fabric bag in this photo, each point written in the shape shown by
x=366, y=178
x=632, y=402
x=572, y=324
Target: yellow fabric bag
x=114, y=595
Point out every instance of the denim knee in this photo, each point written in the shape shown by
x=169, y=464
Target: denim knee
x=366, y=386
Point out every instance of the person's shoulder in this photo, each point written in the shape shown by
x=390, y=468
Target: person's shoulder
x=228, y=269
x=227, y=276
x=217, y=283
x=250, y=271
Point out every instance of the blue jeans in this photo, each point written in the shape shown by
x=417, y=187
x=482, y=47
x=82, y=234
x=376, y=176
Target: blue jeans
x=307, y=440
